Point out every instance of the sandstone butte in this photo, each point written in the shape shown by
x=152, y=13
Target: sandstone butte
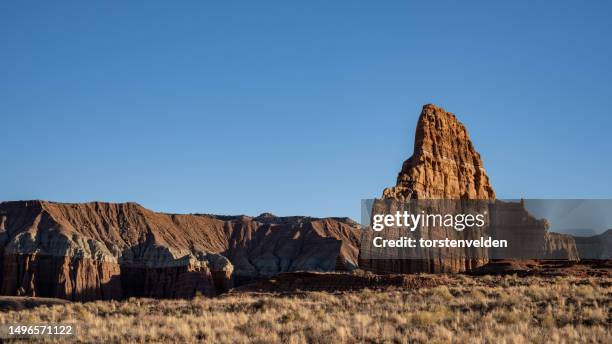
x=107, y=251
x=445, y=165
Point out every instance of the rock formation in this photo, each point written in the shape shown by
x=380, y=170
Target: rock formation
x=596, y=246
x=445, y=166
x=105, y=251
x=531, y=236
x=266, y=245
x=560, y=246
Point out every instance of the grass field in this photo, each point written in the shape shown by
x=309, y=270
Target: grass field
x=468, y=309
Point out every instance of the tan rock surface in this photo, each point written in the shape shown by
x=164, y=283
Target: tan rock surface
x=560, y=246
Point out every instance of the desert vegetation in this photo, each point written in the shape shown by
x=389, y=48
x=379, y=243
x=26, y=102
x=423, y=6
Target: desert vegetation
x=488, y=309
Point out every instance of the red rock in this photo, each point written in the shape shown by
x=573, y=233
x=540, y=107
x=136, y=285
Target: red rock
x=445, y=165
x=60, y=277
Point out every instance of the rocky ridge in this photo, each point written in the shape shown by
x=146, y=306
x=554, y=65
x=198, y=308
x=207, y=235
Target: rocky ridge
x=105, y=251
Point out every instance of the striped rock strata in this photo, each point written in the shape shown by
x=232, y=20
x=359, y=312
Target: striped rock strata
x=100, y=250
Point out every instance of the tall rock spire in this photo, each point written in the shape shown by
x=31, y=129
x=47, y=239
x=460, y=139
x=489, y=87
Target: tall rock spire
x=444, y=164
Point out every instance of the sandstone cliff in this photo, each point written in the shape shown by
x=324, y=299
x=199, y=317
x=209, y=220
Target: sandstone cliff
x=104, y=251
x=560, y=246
x=596, y=246
x=444, y=164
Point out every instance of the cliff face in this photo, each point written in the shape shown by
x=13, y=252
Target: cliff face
x=530, y=236
x=595, y=247
x=561, y=246
x=265, y=246
x=445, y=165
x=105, y=251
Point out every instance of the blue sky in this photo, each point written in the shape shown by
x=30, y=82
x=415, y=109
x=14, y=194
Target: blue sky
x=296, y=107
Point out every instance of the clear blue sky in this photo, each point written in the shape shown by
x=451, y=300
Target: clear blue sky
x=296, y=107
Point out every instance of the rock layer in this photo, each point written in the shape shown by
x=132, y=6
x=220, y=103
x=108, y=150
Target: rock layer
x=105, y=251
x=60, y=277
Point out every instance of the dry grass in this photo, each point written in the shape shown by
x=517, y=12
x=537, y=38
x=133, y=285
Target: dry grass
x=469, y=309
